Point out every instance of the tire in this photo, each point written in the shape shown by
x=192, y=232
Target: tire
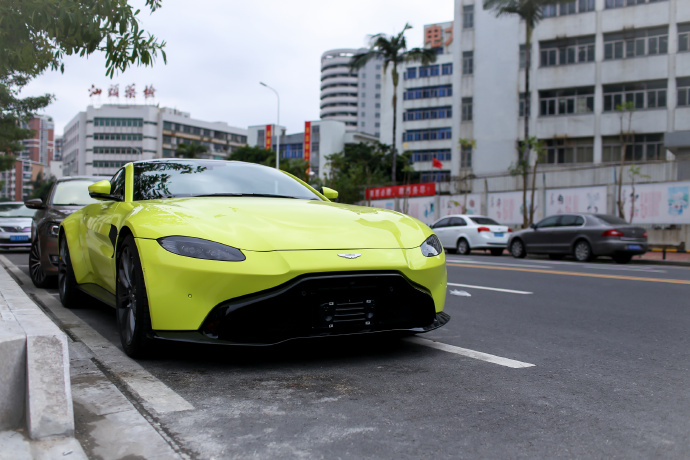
x=38, y=276
x=583, y=251
x=622, y=258
x=497, y=252
x=133, y=318
x=70, y=295
x=517, y=249
x=463, y=247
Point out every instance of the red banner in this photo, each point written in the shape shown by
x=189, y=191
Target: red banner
x=399, y=191
x=269, y=137
x=307, y=141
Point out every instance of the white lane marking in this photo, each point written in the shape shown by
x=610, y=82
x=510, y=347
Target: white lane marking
x=153, y=393
x=486, y=288
x=478, y=262
x=626, y=269
x=469, y=353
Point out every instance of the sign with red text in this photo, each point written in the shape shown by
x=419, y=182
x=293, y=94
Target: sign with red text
x=400, y=191
x=269, y=137
x=307, y=144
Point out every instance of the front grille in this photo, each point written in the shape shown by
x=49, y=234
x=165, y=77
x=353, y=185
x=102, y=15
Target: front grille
x=322, y=305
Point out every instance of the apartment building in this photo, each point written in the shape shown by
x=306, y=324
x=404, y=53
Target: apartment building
x=353, y=97
x=100, y=140
x=587, y=58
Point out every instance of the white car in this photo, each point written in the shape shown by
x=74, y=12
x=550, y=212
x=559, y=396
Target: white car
x=15, y=225
x=463, y=233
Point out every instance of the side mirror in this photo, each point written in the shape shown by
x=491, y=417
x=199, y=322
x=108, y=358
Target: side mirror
x=101, y=191
x=533, y=226
x=329, y=193
x=34, y=203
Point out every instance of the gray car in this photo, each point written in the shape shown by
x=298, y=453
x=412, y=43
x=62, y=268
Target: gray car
x=584, y=236
x=67, y=195
x=15, y=225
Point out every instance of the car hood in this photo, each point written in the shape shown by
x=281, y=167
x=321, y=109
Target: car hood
x=270, y=224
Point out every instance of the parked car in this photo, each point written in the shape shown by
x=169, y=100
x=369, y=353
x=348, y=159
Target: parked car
x=462, y=233
x=15, y=225
x=584, y=236
x=67, y=195
x=239, y=253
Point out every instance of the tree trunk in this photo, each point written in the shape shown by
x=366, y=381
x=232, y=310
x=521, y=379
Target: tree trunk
x=395, y=120
x=524, y=154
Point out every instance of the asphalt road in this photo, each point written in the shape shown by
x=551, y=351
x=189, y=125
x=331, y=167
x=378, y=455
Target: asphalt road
x=574, y=361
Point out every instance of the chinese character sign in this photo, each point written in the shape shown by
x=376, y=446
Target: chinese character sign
x=307, y=141
x=401, y=191
x=269, y=137
x=130, y=91
x=93, y=91
x=149, y=91
x=114, y=91
x=665, y=203
x=433, y=36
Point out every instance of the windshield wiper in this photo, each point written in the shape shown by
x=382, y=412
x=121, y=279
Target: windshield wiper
x=264, y=195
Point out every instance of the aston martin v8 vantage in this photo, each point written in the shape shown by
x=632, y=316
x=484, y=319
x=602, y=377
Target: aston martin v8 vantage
x=238, y=253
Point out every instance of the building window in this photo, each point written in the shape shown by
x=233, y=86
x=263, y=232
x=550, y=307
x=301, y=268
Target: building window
x=621, y=3
x=563, y=9
x=425, y=156
x=643, y=147
x=466, y=109
x=466, y=156
x=431, y=134
x=636, y=43
x=644, y=95
x=523, y=105
x=429, y=71
x=683, y=85
x=118, y=122
x=566, y=101
x=523, y=57
x=467, y=62
x=430, y=113
x=683, y=37
x=447, y=69
x=411, y=73
x=568, y=151
x=468, y=17
x=428, y=92
x=564, y=52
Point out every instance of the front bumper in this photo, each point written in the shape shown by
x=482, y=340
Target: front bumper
x=15, y=240
x=183, y=292
x=320, y=305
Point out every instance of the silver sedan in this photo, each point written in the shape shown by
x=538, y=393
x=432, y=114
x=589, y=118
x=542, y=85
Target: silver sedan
x=585, y=236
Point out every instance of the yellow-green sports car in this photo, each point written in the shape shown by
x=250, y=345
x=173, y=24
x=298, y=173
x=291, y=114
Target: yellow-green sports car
x=238, y=253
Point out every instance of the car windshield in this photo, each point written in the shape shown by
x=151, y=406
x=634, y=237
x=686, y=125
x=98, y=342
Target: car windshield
x=188, y=178
x=73, y=193
x=612, y=220
x=484, y=221
x=15, y=210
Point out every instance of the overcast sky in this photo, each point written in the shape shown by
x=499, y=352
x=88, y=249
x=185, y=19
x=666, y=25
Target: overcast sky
x=219, y=50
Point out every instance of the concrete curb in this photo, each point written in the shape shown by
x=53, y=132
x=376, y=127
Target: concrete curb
x=35, y=391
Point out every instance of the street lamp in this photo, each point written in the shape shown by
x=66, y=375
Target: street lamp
x=277, y=125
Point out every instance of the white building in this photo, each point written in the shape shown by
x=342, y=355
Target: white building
x=588, y=56
x=326, y=138
x=351, y=97
x=102, y=139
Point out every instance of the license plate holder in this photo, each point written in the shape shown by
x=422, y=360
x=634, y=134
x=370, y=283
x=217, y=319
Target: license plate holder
x=634, y=247
x=498, y=234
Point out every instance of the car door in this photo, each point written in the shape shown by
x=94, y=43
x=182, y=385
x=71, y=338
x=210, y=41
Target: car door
x=102, y=223
x=541, y=238
x=569, y=225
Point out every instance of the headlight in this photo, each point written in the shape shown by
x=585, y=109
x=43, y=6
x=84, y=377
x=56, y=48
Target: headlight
x=200, y=249
x=431, y=247
x=53, y=229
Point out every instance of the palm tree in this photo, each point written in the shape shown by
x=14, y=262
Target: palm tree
x=190, y=150
x=529, y=11
x=393, y=51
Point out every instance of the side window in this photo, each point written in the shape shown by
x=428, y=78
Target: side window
x=442, y=223
x=458, y=222
x=117, y=184
x=579, y=220
x=548, y=222
x=567, y=221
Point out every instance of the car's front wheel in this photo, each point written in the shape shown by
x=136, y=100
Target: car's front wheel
x=582, y=251
x=36, y=272
x=70, y=295
x=133, y=318
x=463, y=247
x=517, y=249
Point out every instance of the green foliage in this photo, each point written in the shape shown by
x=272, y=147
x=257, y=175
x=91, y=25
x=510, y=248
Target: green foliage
x=190, y=150
x=41, y=186
x=295, y=166
x=36, y=35
x=362, y=166
x=393, y=51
